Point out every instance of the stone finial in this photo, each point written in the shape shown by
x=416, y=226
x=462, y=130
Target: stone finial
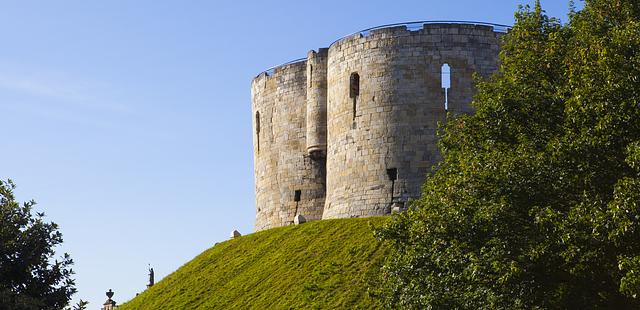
x=299, y=219
x=235, y=234
x=109, y=304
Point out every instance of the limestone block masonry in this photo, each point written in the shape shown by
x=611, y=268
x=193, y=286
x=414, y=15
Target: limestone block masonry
x=350, y=131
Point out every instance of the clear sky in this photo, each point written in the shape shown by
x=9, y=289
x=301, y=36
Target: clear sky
x=129, y=122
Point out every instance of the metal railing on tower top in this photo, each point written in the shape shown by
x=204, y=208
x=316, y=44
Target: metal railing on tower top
x=417, y=25
x=411, y=26
x=270, y=70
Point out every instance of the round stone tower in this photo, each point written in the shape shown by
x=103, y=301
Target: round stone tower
x=385, y=99
x=288, y=181
x=350, y=131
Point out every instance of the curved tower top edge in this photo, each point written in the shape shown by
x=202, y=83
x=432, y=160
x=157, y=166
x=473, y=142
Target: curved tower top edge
x=407, y=26
x=271, y=71
x=420, y=25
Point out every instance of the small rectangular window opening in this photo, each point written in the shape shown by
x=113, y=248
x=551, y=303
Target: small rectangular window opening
x=392, y=173
x=296, y=195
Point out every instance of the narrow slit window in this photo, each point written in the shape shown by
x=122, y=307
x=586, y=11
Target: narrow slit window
x=258, y=129
x=296, y=195
x=392, y=173
x=354, y=85
x=310, y=73
x=354, y=90
x=446, y=84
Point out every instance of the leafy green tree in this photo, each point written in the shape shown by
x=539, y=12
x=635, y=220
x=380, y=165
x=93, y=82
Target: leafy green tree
x=30, y=278
x=536, y=203
x=81, y=305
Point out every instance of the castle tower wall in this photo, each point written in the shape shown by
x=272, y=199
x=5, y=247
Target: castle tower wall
x=288, y=182
x=317, y=103
x=384, y=102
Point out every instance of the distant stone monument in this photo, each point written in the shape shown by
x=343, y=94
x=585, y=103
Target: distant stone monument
x=110, y=304
x=235, y=234
x=151, y=277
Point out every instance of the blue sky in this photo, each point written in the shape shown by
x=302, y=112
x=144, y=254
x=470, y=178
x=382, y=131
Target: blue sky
x=129, y=122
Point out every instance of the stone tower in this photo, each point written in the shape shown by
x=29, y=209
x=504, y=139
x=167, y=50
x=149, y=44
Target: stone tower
x=350, y=131
x=288, y=180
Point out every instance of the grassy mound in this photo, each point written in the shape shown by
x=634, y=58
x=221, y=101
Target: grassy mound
x=325, y=265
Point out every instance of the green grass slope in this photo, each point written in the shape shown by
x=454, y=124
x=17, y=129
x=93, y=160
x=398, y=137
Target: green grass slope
x=323, y=265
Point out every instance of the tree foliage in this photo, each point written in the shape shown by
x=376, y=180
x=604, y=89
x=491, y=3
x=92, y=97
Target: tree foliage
x=81, y=305
x=30, y=278
x=536, y=203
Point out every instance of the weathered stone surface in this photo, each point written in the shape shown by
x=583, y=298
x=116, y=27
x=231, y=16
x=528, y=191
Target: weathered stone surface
x=327, y=150
x=299, y=219
x=284, y=172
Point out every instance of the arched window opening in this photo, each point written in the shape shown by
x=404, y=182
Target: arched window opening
x=258, y=129
x=446, y=84
x=354, y=90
